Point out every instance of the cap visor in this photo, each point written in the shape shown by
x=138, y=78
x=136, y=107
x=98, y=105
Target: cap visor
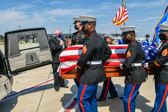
x=160, y=31
x=83, y=22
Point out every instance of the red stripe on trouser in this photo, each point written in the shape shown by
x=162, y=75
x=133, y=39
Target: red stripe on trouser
x=129, y=110
x=82, y=97
x=163, y=98
x=106, y=89
x=78, y=80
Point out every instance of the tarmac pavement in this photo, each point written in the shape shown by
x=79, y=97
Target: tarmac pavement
x=37, y=95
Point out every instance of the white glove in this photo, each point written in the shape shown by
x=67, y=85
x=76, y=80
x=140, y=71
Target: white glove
x=121, y=66
x=146, y=65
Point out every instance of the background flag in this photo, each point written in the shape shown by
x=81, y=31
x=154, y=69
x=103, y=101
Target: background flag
x=121, y=16
x=163, y=19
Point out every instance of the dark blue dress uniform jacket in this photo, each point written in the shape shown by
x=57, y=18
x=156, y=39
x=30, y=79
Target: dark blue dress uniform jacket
x=134, y=74
x=161, y=75
x=78, y=38
x=95, y=49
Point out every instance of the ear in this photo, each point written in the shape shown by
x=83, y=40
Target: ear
x=167, y=35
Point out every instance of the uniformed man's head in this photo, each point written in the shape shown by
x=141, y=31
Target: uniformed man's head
x=108, y=38
x=89, y=24
x=163, y=32
x=58, y=33
x=128, y=34
x=77, y=23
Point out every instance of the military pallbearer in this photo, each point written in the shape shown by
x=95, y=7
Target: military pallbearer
x=161, y=75
x=90, y=65
x=132, y=66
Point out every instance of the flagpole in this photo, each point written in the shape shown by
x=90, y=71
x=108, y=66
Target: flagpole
x=123, y=3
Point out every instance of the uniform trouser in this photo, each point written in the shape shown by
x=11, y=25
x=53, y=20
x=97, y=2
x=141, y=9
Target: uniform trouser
x=86, y=98
x=57, y=79
x=129, y=96
x=160, y=100
x=108, y=86
x=77, y=82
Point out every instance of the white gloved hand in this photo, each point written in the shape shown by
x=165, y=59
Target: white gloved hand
x=146, y=65
x=121, y=66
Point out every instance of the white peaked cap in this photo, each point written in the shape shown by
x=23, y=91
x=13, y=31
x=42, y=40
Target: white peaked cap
x=88, y=18
x=163, y=27
x=127, y=28
x=76, y=18
x=108, y=35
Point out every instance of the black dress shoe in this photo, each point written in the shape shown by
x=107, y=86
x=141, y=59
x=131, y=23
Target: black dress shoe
x=75, y=99
x=120, y=98
x=113, y=97
x=65, y=86
x=99, y=99
x=56, y=88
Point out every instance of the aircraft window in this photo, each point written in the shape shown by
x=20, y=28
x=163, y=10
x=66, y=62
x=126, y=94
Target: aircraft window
x=28, y=42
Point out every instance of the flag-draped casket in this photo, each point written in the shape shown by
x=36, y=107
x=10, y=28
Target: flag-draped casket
x=70, y=56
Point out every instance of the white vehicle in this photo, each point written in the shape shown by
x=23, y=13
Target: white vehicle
x=24, y=49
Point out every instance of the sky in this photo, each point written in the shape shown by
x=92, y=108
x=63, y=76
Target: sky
x=58, y=14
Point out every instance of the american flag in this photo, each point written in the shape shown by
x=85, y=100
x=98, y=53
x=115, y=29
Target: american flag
x=69, y=57
x=121, y=16
x=150, y=53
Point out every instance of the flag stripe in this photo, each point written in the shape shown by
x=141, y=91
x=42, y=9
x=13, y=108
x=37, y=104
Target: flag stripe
x=76, y=57
x=69, y=57
x=79, y=52
x=121, y=16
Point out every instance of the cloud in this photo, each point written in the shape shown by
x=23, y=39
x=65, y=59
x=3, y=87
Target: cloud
x=13, y=17
x=67, y=12
x=147, y=19
x=41, y=1
x=52, y=2
x=147, y=5
x=57, y=2
x=106, y=24
x=22, y=7
x=108, y=5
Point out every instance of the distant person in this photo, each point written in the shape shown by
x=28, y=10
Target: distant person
x=108, y=84
x=147, y=40
x=57, y=45
x=78, y=38
x=68, y=42
x=33, y=38
x=108, y=39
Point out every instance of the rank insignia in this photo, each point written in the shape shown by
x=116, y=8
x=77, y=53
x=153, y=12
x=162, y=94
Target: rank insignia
x=128, y=54
x=164, y=53
x=84, y=49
